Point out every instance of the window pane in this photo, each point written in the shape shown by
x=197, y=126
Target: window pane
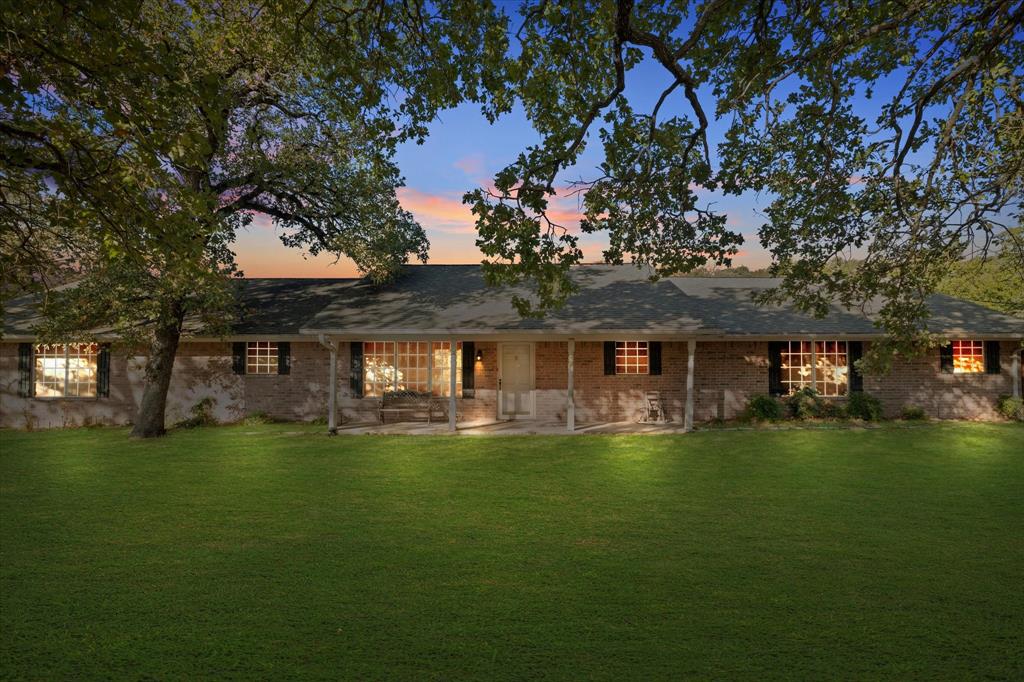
x=968, y=357
x=261, y=357
x=66, y=370
x=440, y=376
x=412, y=366
x=830, y=358
x=420, y=366
x=378, y=368
x=631, y=357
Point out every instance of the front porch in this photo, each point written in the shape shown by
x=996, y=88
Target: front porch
x=515, y=383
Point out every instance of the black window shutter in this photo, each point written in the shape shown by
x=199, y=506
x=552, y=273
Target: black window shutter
x=103, y=371
x=609, y=357
x=284, y=357
x=355, y=378
x=854, y=352
x=775, y=386
x=654, y=357
x=991, y=357
x=26, y=388
x=238, y=357
x=468, y=363
x=946, y=358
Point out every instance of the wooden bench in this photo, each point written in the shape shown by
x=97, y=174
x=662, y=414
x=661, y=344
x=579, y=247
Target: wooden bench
x=411, y=403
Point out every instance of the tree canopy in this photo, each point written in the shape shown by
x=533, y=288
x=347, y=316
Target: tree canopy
x=992, y=280
x=139, y=137
x=934, y=172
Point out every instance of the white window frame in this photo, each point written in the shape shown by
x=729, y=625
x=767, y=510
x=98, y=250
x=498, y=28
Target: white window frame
x=817, y=354
x=45, y=351
x=976, y=359
x=395, y=349
x=261, y=358
x=631, y=360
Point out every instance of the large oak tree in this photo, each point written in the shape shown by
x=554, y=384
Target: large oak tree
x=860, y=206
x=138, y=136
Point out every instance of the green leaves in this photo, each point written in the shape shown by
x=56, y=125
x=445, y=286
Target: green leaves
x=858, y=209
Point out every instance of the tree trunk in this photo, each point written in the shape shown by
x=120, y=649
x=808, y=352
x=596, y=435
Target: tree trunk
x=150, y=421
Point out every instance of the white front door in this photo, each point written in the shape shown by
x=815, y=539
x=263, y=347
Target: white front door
x=516, y=381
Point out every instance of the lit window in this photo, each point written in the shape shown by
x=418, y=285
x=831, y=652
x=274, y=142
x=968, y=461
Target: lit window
x=261, y=357
x=440, y=373
x=420, y=366
x=832, y=362
x=968, y=357
x=66, y=370
x=631, y=357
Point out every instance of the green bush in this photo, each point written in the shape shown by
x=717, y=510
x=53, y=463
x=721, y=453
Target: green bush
x=258, y=419
x=1010, y=407
x=830, y=409
x=864, y=406
x=202, y=415
x=764, y=408
x=913, y=413
x=805, y=404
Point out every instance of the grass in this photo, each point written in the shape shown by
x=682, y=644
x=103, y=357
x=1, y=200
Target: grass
x=273, y=551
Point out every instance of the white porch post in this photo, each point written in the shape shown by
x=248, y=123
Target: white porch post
x=691, y=349
x=570, y=408
x=332, y=389
x=452, y=405
x=814, y=365
x=1015, y=368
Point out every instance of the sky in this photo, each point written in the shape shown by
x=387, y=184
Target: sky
x=462, y=152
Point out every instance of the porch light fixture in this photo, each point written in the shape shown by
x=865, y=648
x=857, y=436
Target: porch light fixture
x=479, y=355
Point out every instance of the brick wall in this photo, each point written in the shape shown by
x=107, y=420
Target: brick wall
x=919, y=382
x=726, y=375
x=200, y=370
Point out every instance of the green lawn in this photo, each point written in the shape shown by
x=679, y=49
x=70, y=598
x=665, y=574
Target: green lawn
x=277, y=552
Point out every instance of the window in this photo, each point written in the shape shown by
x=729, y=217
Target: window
x=66, y=370
x=968, y=357
x=631, y=357
x=420, y=366
x=832, y=364
x=440, y=376
x=261, y=357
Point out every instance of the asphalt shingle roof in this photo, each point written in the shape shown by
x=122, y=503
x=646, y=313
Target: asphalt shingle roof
x=726, y=303
x=439, y=299
x=446, y=298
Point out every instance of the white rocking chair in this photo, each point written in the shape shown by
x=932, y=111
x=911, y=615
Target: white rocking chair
x=654, y=409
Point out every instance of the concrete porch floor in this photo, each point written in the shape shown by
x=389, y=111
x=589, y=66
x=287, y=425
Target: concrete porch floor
x=522, y=427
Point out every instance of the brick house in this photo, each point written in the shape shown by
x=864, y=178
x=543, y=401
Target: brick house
x=334, y=348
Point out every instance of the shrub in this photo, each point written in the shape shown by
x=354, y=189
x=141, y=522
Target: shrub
x=258, y=419
x=764, y=408
x=202, y=415
x=830, y=409
x=1010, y=407
x=805, y=404
x=864, y=406
x=913, y=413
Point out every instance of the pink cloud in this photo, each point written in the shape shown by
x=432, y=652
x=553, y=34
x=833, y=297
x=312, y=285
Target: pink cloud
x=441, y=212
x=472, y=165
